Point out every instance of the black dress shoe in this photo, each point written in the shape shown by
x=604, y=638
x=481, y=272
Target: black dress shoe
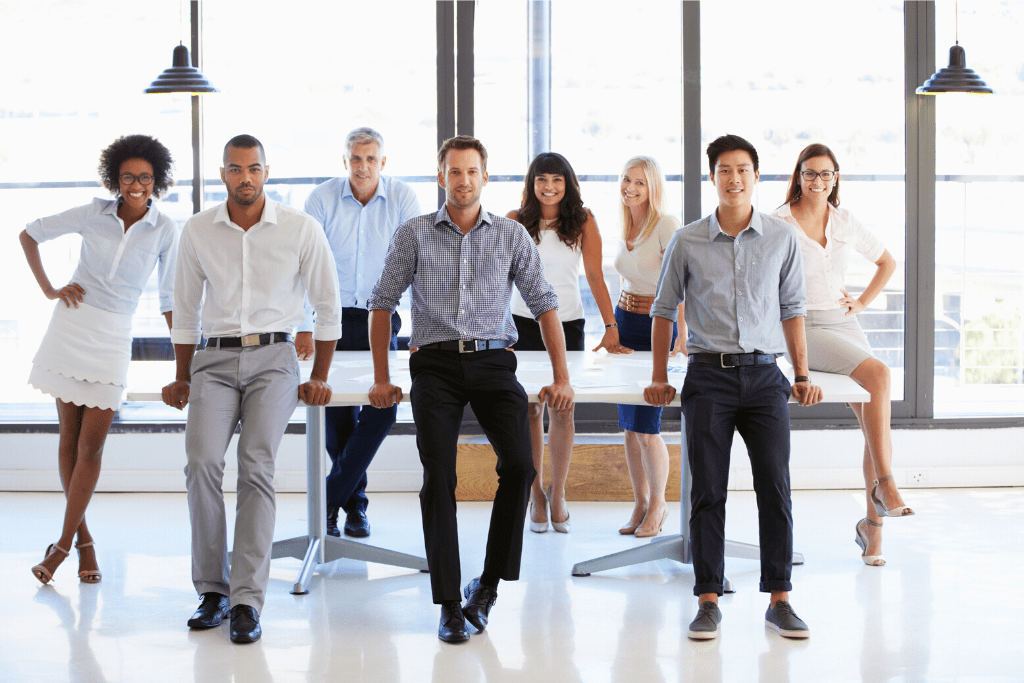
x=356, y=524
x=479, y=601
x=245, y=624
x=332, y=522
x=211, y=612
x=453, y=625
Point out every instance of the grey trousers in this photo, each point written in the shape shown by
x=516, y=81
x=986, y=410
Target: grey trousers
x=257, y=386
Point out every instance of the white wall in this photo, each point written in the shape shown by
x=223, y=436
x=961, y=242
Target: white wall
x=821, y=459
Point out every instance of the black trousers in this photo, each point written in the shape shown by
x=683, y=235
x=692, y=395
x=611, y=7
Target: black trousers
x=443, y=382
x=752, y=400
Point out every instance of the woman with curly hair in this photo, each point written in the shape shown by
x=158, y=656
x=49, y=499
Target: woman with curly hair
x=83, y=359
x=829, y=236
x=565, y=233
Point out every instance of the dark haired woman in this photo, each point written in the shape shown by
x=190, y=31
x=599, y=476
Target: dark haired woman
x=83, y=359
x=835, y=341
x=565, y=232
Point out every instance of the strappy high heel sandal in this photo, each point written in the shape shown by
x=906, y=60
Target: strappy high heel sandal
x=901, y=511
x=42, y=573
x=87, y=575
x=862, y=541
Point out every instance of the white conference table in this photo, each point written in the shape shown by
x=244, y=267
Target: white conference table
x=596, y=378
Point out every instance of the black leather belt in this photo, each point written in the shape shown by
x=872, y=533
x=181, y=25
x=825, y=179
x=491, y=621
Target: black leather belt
x=732, y=360
x=248, y=340
x=468, y=345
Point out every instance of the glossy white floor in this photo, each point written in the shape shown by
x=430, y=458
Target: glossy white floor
x=948, y=606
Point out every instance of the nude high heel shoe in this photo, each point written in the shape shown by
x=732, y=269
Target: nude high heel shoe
x=42, y=573
x=560, y=527
x=537, y=527
x=862, y=541
x=902, y=511
x=87, y=575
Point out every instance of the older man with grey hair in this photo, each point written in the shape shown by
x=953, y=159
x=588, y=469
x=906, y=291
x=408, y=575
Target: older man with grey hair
x=359, y=214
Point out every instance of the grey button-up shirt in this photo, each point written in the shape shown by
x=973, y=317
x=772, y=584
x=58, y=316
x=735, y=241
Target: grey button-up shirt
x=737, y=290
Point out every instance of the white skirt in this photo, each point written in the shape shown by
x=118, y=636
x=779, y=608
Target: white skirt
x=83, y=358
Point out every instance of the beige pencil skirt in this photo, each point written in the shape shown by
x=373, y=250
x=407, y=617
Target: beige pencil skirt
x=835, y=341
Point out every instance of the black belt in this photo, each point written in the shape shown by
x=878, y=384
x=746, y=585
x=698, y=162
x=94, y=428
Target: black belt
x=732, y=360
x=248, y=340
x=468, y=345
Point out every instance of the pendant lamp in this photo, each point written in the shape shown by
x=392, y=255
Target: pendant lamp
x=181, y=76
x=956, y=77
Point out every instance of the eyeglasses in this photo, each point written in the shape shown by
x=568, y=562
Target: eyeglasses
x=128, y=178
x=809, y=176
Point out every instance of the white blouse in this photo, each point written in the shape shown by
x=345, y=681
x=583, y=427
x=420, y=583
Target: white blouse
x=639, y=269
x=562, y=271
x=825, y=267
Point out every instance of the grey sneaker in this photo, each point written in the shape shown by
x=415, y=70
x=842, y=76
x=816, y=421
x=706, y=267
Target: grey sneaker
x=705, y=625
x=784, y=620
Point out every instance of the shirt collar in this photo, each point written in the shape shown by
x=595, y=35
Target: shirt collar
x=442, y=217
x=381, y=191
x=151, y=213
x=715, y=229
x=269, y=213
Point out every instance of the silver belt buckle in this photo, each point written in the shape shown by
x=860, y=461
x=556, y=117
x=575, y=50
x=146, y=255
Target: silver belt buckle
x=721, y=360
x=250, y=340
x=463, y=342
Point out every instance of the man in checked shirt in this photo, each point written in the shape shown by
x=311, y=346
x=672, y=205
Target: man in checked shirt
x=461, y=263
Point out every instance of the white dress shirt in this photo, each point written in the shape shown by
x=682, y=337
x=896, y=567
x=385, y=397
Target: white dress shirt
x=254, y=280
x=825, y=267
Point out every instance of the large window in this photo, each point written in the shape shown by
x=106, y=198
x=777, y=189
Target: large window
x=979, y=276
x=788, y=86
x=783, y=74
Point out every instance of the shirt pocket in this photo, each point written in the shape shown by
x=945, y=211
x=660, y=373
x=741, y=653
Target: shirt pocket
x=137, y=263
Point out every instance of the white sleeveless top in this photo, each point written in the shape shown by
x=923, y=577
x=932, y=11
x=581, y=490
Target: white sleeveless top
x=639, y=269
x=562, y=270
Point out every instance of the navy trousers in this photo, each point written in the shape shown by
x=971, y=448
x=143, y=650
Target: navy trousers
x=752, y=400
x=354, y=433
x=443, y=382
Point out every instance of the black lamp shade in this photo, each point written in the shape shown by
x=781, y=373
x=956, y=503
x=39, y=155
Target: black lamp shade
x=955, y=78
x=181, y=76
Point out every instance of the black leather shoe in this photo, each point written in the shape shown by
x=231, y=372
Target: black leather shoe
x=479, y=601
x=332, y=522
x=245, y=624
x=211, y=612
x=356, y=524
x=452, y=628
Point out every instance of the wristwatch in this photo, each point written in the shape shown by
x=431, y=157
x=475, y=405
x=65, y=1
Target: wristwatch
x=801, y=378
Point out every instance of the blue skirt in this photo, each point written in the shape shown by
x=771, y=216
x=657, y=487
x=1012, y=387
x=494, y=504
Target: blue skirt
x=635, y=333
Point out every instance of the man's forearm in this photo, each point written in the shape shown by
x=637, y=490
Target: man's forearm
x=796, y=344
x=380, y=344
x=183, y=361
x=661, y=340
x=554, y=341
x=323, y=354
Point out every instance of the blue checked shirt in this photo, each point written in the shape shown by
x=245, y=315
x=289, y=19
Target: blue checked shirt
x=461, y=284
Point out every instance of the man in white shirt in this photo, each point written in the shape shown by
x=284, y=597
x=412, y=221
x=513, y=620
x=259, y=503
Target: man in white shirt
x=359, y=213
x=247, y=266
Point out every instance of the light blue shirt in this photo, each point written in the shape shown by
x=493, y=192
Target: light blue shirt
x=114, y=265
x=737, y=291
x=359, y=235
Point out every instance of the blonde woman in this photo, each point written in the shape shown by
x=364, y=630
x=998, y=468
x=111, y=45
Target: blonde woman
x=646, y=231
